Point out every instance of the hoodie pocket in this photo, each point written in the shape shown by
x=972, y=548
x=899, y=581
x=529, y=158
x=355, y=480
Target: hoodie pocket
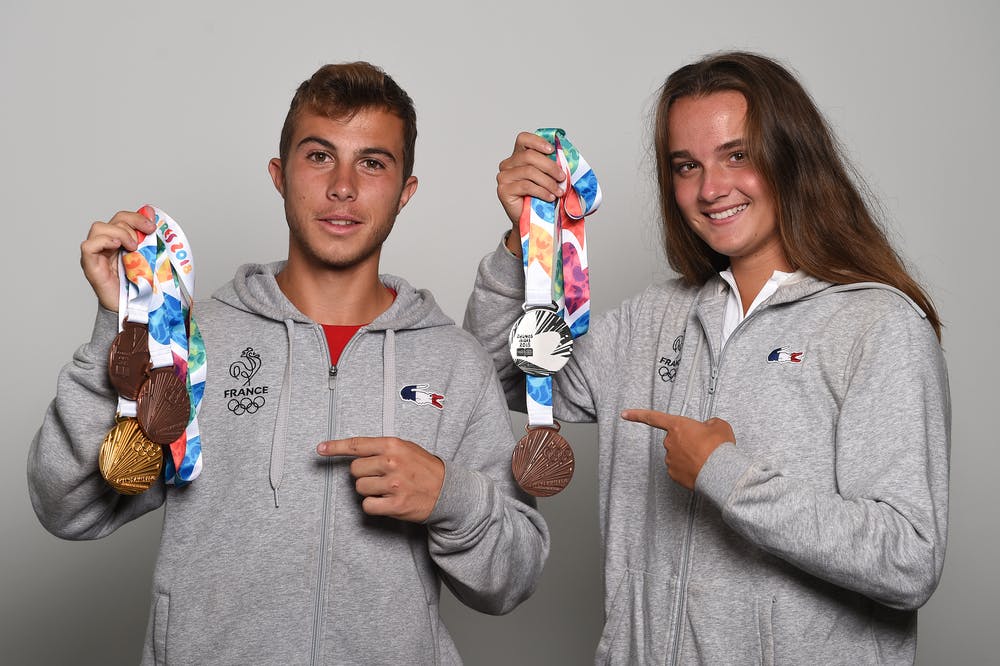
x=161, y=612
x=422, y=564
x=765, y=628
x=636, y=627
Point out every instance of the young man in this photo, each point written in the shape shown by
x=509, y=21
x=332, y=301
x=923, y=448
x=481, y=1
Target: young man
x=375, y=462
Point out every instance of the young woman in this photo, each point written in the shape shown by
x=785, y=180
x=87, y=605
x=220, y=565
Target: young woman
x=799, y=514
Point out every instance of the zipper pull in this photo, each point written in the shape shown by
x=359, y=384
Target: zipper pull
x=713, y=381
x=333, y=375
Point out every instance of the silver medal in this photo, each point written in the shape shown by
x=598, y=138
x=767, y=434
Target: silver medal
x=540, y=342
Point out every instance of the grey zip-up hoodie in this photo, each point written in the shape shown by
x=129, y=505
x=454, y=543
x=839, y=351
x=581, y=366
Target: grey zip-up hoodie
x=267, y=557
x=813, y=539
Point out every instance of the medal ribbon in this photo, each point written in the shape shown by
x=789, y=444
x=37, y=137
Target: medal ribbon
x=554, y=251
x=158, y=290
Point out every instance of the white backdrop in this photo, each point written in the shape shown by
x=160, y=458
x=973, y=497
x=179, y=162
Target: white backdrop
x=108, y=105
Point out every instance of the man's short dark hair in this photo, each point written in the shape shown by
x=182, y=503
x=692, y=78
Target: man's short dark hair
x=339, y=91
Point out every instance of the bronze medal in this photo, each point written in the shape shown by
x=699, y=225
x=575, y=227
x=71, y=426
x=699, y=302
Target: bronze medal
x=163, y=407
x=129, y=462
x=543, y=461
x=128, y=361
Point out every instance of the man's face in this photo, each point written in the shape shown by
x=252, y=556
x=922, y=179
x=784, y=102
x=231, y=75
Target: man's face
x=342, y=183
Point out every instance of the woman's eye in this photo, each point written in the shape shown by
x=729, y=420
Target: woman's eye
x=682, y=168
x=739, y=156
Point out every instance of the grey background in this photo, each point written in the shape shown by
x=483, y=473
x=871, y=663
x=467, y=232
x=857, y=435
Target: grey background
x=108, y=105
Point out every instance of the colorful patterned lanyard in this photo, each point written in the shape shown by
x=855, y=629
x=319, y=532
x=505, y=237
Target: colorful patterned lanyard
x=556, y=281
x=158, y=360
x=556, y=275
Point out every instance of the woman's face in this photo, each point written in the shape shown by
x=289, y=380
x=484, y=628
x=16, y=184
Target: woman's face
x=719, y=192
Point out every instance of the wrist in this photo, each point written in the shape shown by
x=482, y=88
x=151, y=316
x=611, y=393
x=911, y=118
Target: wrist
x=512, y=241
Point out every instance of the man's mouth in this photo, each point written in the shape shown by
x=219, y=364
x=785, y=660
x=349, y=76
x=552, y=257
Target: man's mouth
x=339, y=222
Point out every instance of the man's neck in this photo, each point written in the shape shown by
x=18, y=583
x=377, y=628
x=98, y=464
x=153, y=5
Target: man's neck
x=348, y=297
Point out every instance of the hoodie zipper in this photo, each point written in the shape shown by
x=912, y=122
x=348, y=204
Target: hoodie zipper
x=332, y=373
x=327, y=481
x=713, y=383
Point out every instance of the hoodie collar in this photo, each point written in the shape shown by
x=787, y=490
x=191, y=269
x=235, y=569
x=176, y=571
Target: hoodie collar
x=254, y=289
x=799, y=287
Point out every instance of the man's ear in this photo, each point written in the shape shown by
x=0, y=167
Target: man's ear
x=277, y=175
x=409, y=187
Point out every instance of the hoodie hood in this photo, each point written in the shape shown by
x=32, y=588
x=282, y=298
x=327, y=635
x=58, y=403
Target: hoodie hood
x=254, y=289
x=808, y=287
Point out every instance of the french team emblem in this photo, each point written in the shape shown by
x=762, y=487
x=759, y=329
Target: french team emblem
x=419, y=394
x=246, y=399
x=779, y=355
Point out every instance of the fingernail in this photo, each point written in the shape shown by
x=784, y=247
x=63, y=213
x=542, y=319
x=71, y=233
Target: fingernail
x=321, y=448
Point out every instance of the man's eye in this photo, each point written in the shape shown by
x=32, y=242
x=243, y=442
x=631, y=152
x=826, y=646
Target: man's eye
x=682, y=168
x=739, y=156
x=318, y=157
x=373, y=164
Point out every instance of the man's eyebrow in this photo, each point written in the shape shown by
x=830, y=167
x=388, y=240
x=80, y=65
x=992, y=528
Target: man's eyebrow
x=369, y=151
x=680, y=154
x=375, y=150
x=315, y=139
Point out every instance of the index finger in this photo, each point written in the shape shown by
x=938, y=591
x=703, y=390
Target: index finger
x=532, y=150
x=531, y=141
x=352, y=446
x=134, y=220
x=650, y=417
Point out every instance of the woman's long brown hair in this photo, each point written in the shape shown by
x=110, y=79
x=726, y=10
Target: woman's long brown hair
x=827, y=227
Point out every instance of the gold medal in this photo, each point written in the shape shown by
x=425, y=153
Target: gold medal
x=543, y=461
x=129, y=461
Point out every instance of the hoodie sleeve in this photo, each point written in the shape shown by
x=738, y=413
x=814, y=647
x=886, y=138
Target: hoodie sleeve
x=496, y=303
x=484, y=534
x=883, y=532
x=69, y=496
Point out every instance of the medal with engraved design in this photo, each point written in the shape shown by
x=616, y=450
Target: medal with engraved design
x=540, y=345
x=163, y=406
x=540, y=342
x=128, y=460
x=128, y=360
x=556, y=311
x=543, y=461
x=157, y=368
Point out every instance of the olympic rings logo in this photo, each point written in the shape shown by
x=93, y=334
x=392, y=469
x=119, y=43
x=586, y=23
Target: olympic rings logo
x=558, y=456
x=246, y=405
x=668, y=366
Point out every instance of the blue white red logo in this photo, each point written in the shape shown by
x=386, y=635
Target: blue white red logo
x=419, y=394
x=779, y=355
